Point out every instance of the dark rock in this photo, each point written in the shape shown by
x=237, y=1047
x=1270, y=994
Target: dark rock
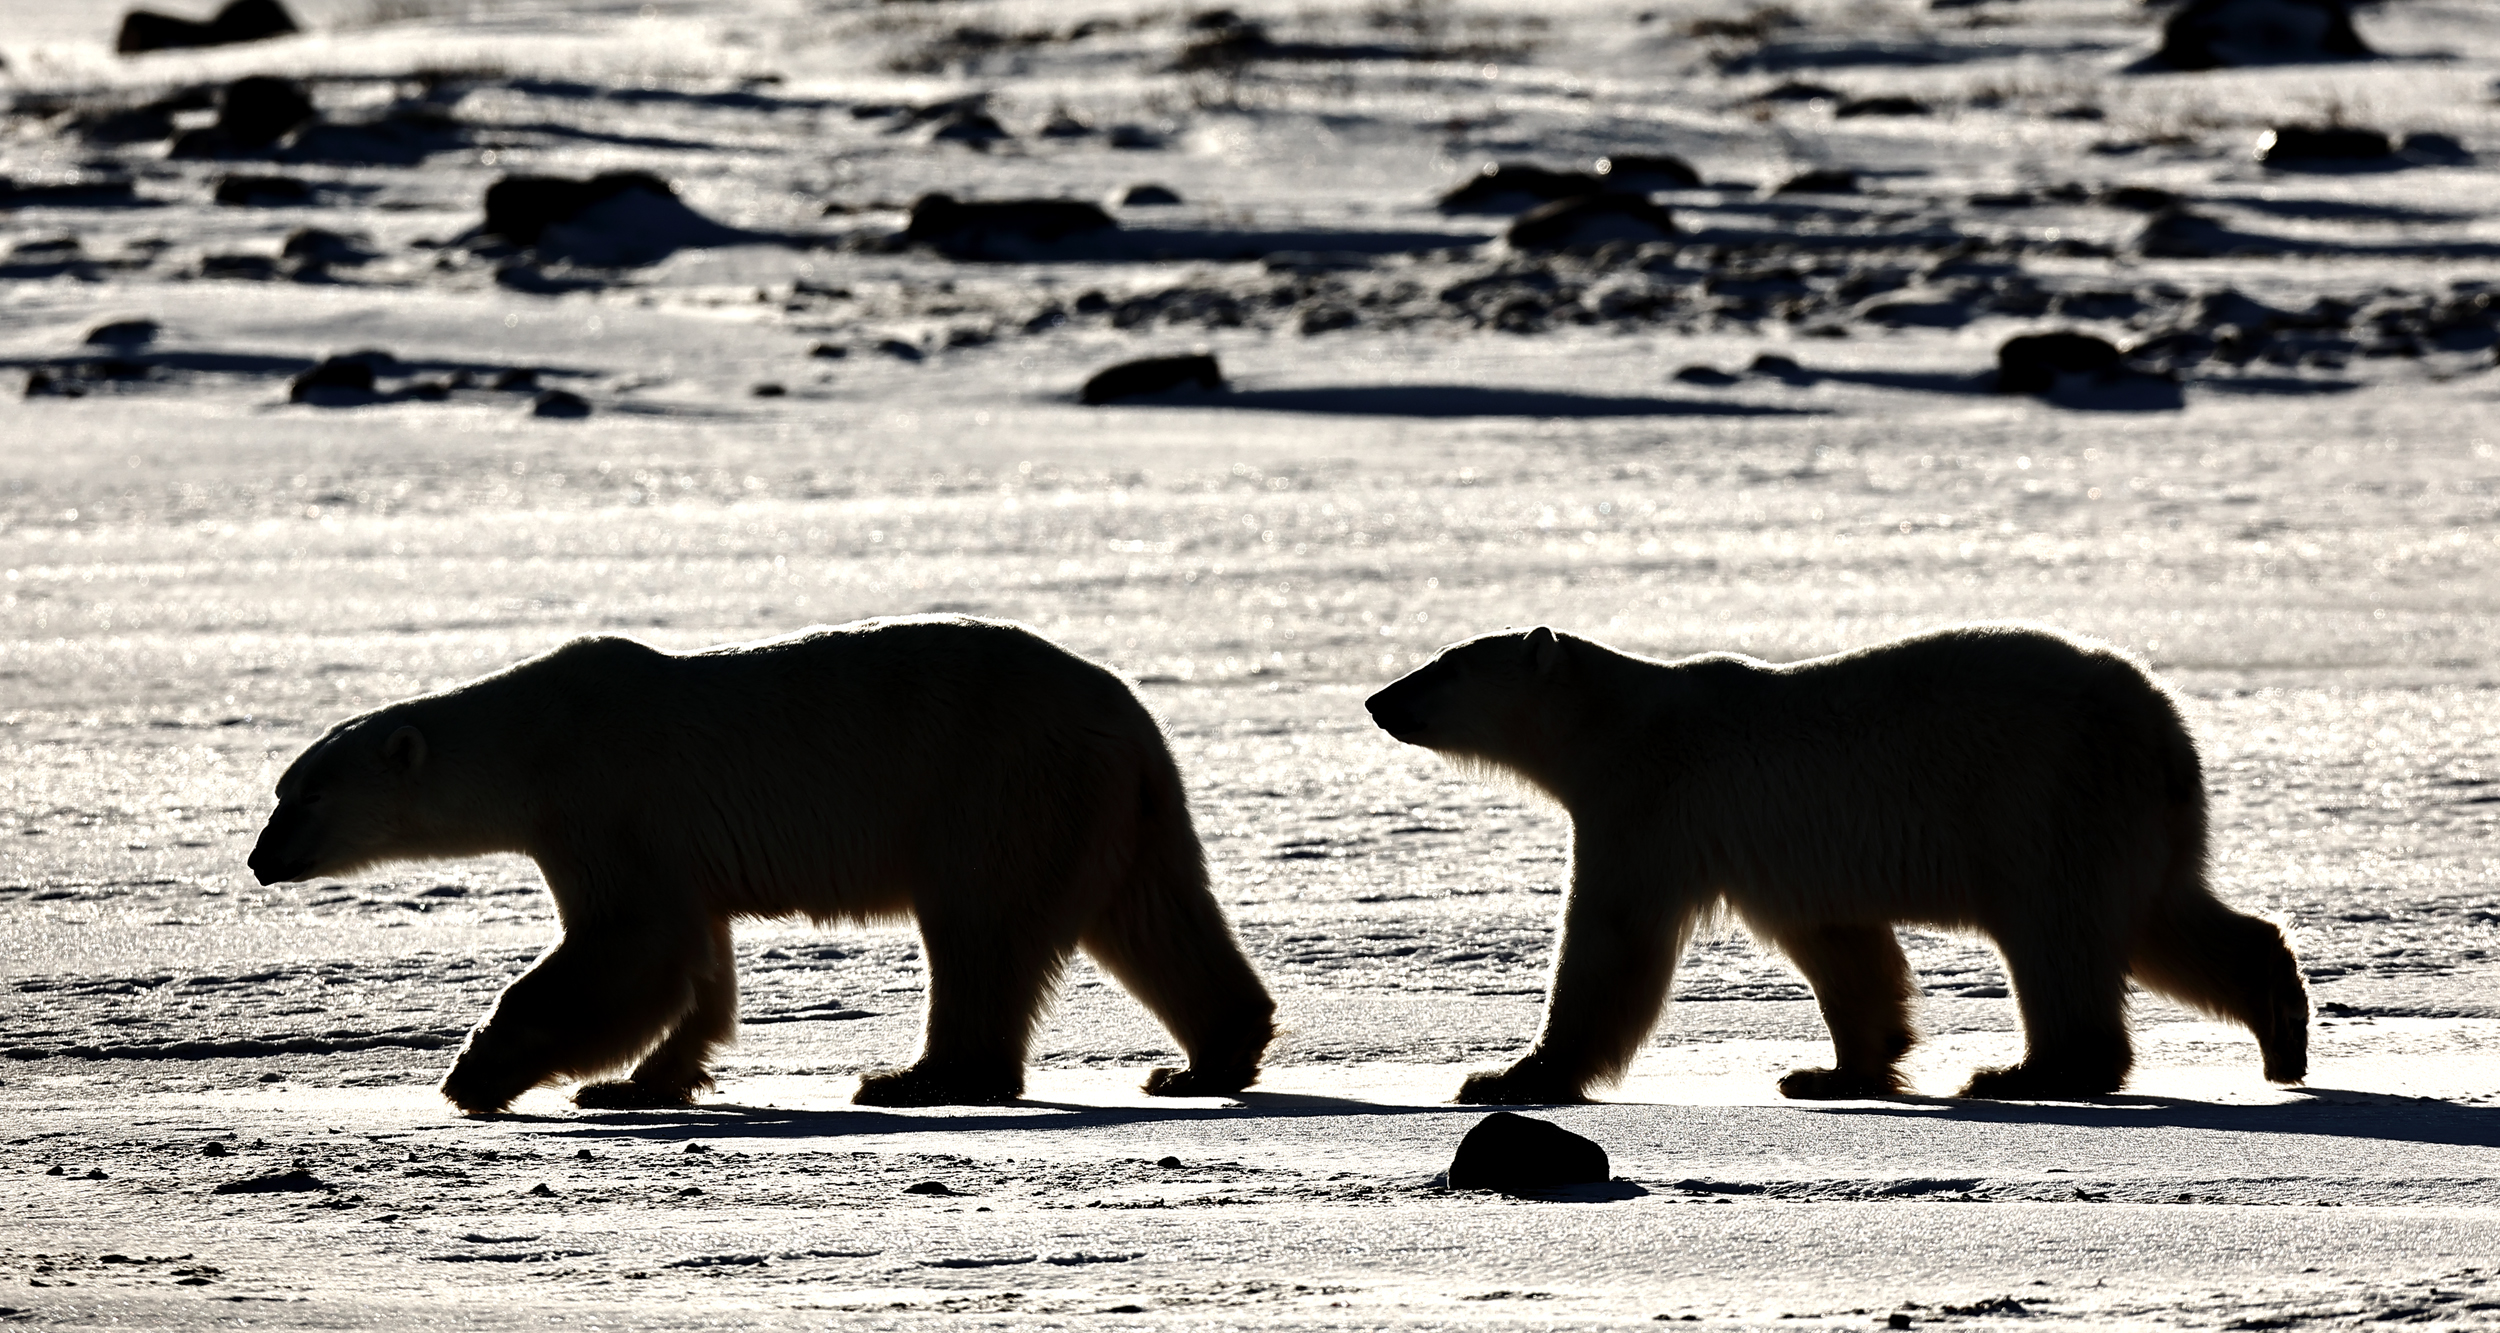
x=1327, y=318
x=1801, y=92
x=1061, y=125
x=929, y=1187
x=316, y=245
x=1642, y=172
x=1512, y=187
x=2137, y=198
x=124, y=333
x=213, y=1148
x=521, y=208
x=337, y=380
x=2217, y=34
x=1820, y=181
x=519, y=379
x=1134, y=137
x=296, y=1181
x=402, y=137
x=2292, y=145
x=2439, y=149
x=1708, y=375
x=971, y=126
x=256, y=112
x=1157, y=374
x=41, y=384
x=829, y=351
x=2033, y=362
x=91, y=192
x=900, y=350
x=263, y=191
x=248, y=267
x=1516, y=1154
x=559, y=403
x=2178, y=233
x=1881, y=106
x=1000, y=228
x=1778, y=367
x=2003, y=199
x=769, y=389
x=1591, y=221
x=242, y=21
x=1149, y=196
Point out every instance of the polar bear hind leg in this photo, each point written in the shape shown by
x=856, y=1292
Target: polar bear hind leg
x=672, y=1074
x=989, y=983
x=1862, y=981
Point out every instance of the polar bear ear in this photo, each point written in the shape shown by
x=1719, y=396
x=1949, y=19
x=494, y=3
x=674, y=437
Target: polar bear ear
x=406, y=748
x=1547, y=650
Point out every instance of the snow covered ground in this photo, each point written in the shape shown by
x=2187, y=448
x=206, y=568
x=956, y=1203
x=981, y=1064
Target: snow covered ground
x=1428, y=435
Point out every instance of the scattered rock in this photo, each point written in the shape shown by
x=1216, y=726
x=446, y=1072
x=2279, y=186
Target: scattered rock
x=337, y=381
x=828, y=351
x=1778, y=367
x=928, y=1187
x=542, y=1190
x=242, y=21
x=1513, y=187
x=2335, y=145
x=1707, y=375
x=2033, y=362
x=1134, y=137
x=297, y=1181
x=263, y=191
x=2137, y=198
x=2218, y=34
x=1820, y=181
x=969, y=126
x=213, y=1148
x=2436, y=149
x=319, y=246
x=1794, y=91
x=1880, y=106
x=1590, y=221
x=519, y=379
x=1516, y=1154
x=1004, y=228
x=87, y=192
x=256, y=112
x=1169, y=1163
x=124, y=333
x=560, y=404
x=521, y=208
x=900, y=350
x=1641, y=172
x=1149, y=196
x=1153, y=375
x=769, y=389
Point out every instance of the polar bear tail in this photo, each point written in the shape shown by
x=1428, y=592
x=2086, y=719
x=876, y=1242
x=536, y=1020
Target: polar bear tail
x=1163, y=937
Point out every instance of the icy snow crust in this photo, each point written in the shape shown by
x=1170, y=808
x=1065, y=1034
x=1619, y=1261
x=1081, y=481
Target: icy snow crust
x=1427, y=436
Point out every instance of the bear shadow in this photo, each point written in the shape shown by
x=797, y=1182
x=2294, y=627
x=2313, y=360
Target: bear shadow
x=2326, y=1112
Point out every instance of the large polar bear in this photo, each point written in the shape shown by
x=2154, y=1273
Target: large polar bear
x=1015, y=800
x=2001, y=779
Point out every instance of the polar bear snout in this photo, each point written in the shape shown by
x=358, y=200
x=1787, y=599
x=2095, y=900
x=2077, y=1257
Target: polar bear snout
x=1395, y=711
x=285, y=852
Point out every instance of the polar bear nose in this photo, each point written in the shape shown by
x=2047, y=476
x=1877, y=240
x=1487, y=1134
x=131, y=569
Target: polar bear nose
x=1395, y=716
x=271, y=861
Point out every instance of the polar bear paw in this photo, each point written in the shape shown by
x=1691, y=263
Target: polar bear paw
x=2030, y=1082
x=1516, y=1087
x=1196, y=1082
x=1825, y=1085
x=628, y=1095
x=921, y=1085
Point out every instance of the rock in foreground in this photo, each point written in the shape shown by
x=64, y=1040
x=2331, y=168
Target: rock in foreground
x=1516, y=1154
x=242, y=21
x=1153, y=375
x=2032, y=363
x=2223, y=34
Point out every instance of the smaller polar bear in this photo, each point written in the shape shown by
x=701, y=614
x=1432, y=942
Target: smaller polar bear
x=2001, y=779
x=1015, y=800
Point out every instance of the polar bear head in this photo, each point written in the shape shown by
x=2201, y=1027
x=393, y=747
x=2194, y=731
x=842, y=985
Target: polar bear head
x=1498, y=700
x=353, y=798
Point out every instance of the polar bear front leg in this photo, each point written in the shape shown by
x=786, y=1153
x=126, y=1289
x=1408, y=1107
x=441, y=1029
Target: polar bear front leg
x=1618, y=956
x=674, y=1073
x=593, y=1002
